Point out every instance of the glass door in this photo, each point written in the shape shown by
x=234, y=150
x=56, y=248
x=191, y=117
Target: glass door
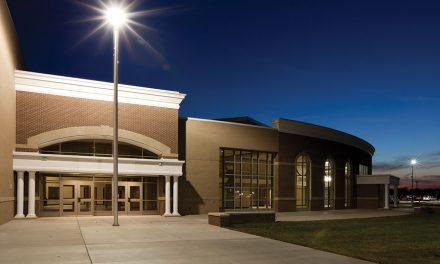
x=50, y=201
x=68, y=198
x=134, y=197
x=84, y=200
x=122, y=201
x=103, y=197
x=76, y=198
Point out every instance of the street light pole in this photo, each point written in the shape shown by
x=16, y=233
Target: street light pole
x=412, y=185
x=115, y=17
x=413, y=162
x=115, y=125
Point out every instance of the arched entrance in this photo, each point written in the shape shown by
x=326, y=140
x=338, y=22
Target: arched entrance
x=74, y=168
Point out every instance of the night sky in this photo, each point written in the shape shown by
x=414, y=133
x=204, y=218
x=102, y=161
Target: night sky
x=369, y=68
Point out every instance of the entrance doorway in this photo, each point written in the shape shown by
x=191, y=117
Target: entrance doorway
x=76, y=197
x=130, y=197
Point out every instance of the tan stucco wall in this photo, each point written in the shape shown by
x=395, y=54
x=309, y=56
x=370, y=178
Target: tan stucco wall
x=10, y=60
x=199, y=191
x=370, y=196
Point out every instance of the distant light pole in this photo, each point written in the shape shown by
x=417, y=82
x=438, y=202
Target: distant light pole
x=117, y=18
x=413, y=162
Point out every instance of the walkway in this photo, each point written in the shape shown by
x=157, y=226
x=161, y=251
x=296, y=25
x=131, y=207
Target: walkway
x=145, y=239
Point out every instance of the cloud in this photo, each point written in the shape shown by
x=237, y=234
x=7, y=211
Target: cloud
x=426, y=160
x=428, y=178
x=424, y=181
x=387, y=166
x=426, y=172
x=434, y=154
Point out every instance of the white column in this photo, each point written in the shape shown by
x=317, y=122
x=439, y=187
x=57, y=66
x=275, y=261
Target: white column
x=395, y=195
x=31, y=195
x=20, y=194
x=176, y=196
x=167, y=196
x=386, y=200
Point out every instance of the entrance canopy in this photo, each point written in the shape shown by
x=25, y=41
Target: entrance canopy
x=381, y=179
x=32, y=161
x=378, y=179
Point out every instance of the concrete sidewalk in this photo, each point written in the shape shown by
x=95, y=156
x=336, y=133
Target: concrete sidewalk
x=145, y=239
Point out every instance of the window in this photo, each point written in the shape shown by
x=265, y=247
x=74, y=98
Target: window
x=246, y=179
x=363, y=170
x=99, y=148
x=347, y=189
x=302, y=176
x=329, y=178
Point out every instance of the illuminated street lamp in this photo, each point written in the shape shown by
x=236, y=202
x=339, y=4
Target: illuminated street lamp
x=413, y=162
x=116, y=17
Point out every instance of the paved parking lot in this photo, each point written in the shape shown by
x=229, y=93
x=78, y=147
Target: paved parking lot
x=145, y=239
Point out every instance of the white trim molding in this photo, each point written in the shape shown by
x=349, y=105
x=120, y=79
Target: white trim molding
x=32, y=161
x=95, y=90
x=97, y=132
x=378, y=179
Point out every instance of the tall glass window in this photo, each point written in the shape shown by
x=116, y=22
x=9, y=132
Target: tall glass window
x=246, y=179
x=302, y=176
x=363, y=170
x=347, y=189
x=329, y=186
x=99, y=148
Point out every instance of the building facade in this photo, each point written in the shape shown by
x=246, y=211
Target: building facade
x=56, y=153
x=290, y=166
x=64, y=146
x=169, y=165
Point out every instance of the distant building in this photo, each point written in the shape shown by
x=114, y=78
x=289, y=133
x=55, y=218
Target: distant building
x=55, y=145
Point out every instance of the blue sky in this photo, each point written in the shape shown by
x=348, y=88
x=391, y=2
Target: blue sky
x=369, y=68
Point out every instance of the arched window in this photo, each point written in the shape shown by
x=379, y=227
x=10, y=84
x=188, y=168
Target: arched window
x=347, y=189
x=302, y=176
x=329, y=186
x=98, y=148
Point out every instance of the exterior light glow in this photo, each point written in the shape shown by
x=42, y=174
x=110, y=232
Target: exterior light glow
x=413, y=162
x=327, y=178
x=116, y=16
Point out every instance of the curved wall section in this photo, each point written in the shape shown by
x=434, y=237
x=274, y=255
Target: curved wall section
x=315, y=131
x=319, y=150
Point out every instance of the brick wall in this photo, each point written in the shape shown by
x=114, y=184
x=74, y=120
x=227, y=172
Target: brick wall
x=38, y=113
